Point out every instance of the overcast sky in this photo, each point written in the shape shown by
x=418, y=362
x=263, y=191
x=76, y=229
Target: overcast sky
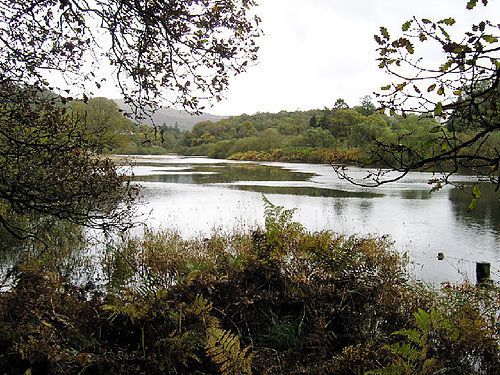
x=315, y=51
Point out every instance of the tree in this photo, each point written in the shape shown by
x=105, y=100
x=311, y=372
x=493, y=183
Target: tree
x=315, y=137
x=363, y=133
x=462, y=93
x=175, y=50
x=48, y=167
x=342, y=122
x=340, y=104
x=366, y=108
x=103, y=121
x=324, y=120
x=313, y=122
x=246, y=129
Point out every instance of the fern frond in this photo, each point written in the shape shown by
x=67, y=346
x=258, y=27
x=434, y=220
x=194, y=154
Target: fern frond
x=128, y=310
x=224, y=349
x=424, y=320
x=406, y=351
x=414, y=335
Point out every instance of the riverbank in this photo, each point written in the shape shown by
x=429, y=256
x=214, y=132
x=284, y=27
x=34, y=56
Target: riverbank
x=277, y=300
x=304, y=155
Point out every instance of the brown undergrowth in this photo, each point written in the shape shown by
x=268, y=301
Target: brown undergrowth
x=279, y=300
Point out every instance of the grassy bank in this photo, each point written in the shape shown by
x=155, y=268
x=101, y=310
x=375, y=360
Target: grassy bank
x=279, y=300
x=304, y=154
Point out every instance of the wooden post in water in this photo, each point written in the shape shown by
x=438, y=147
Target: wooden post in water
x=482, y=272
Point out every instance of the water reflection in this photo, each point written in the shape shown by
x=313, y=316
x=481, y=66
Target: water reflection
x=227, y=173
x=486, y=214
x=416, y=194
x=309, y=191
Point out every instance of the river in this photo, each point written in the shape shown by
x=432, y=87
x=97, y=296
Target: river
x=197, y=196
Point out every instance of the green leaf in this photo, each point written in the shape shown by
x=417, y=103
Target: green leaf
x=409, y=47
x=445, y=33
x=457, y=92
x=448, y=21
x=476, y=192
x=385, y=88
x=430, y=142
x=441, y=91
x=401, y=86
x=436, y=129
x=422, y=37
x=431, y=87
x=384, y=32
x=446, y=66
x=472, y=205
x=438, y=110
x=471, y=4
x=406, y=25
x=425, y=20
x=490, y=38
x=496, y=62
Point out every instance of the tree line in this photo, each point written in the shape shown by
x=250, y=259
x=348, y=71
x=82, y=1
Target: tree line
x=341, y=134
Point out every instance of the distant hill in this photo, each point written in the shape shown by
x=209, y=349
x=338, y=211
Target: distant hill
x=171, y=117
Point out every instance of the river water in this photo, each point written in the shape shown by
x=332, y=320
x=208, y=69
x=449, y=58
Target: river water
x=197, y=196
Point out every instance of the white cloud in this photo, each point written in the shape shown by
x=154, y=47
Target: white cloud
x=318, y=50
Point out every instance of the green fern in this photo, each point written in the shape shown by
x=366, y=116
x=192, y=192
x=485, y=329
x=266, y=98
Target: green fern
x=280, y=229
x=412, y=355
x=224, y=349
x=277, y=217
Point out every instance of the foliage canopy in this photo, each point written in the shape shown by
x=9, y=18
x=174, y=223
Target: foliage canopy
x=157, y=48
